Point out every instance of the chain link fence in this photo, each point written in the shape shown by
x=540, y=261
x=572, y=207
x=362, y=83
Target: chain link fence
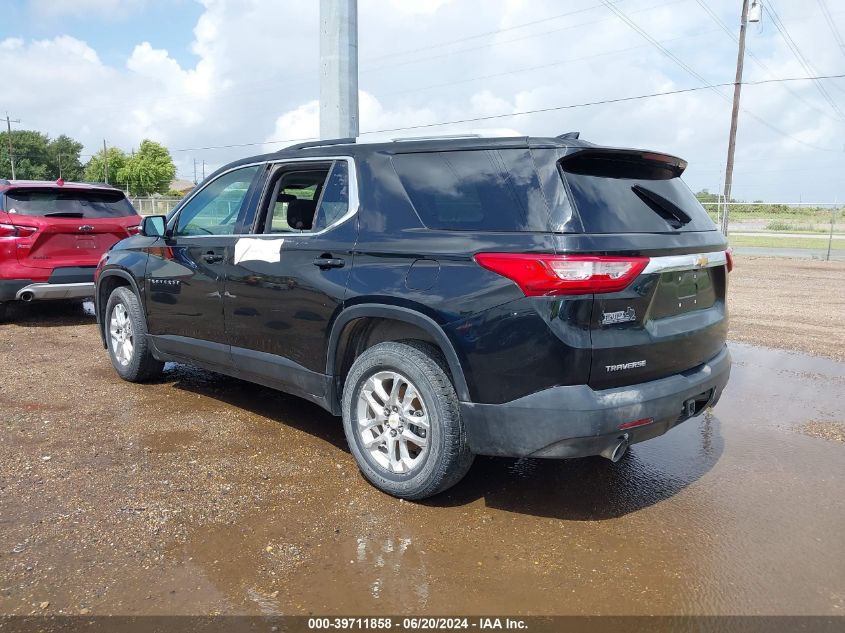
x=154, y=205
x=792, y=229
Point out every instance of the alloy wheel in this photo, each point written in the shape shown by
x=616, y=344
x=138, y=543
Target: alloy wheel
x=393, y=422
x=120, y=331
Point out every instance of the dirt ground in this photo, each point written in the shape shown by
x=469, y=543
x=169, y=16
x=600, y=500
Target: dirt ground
x=202, y=494
x=792, y=304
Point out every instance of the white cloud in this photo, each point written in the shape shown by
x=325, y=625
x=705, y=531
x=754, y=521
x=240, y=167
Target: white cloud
x=256, y=80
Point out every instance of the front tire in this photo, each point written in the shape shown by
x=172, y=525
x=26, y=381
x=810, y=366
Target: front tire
x=126, y=336
x=402, y=420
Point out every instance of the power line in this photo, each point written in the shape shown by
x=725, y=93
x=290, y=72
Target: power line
x=538, y=111
x=517, y=39
x=833, y=28
x=483, y=34
x=796, y=51
x=759, y=61
x=542, y=66
x=619, y=100
x=666, y=52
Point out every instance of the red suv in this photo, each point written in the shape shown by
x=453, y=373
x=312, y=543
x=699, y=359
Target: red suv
x=52, y=235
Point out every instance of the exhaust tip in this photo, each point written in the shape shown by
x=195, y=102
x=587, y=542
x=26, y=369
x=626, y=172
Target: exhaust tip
x=27, y=296
x=616, y=451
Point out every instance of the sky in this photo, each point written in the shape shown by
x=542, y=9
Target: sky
x=217, y=80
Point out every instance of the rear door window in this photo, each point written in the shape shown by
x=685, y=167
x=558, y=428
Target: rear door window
x=619, y=193
x=475, y=190
x=68, y=203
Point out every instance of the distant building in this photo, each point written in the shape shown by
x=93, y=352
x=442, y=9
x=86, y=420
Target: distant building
x=182, y=186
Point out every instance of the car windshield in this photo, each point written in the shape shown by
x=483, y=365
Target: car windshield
x=69, y=203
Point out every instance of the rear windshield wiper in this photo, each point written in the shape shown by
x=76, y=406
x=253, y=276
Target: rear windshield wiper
x=64, y=214
x=666, y=209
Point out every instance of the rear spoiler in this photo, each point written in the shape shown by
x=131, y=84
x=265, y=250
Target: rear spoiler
x=594, y=161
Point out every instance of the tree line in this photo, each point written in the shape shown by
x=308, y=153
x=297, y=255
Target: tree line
x=148, y=171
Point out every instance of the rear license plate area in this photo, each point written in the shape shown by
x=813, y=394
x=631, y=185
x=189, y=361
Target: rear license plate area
x=683, y=291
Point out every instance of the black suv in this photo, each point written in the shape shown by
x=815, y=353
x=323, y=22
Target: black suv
x=541, y=297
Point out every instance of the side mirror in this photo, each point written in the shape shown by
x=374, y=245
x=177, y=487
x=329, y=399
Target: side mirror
x=154, y=226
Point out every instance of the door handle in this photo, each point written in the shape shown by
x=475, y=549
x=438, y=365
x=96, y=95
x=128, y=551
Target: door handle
x=212, y=258
x=324, y=262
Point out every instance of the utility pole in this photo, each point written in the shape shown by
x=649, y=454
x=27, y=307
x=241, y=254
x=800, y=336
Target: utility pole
x=11, y=151
x=106, y=160
x=740, y=61
x=338, y=69
x=59, y=156
x=195, y=172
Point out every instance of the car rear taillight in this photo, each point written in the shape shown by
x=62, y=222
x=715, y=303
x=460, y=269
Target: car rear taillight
x=12, y=230
x=133, y=230
x=539, y=275
x=729, y=259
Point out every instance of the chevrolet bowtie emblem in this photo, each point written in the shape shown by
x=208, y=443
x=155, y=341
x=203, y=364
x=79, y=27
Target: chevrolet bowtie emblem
x=702, y=261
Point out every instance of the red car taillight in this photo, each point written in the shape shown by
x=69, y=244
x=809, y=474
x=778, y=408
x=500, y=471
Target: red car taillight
x=12, y=230
x=729, y=259
x=539, y=275
x=133, y=230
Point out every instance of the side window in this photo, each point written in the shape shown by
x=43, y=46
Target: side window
x=306, y=198
x=487, y=190
x=215, y=209
x=335, y=200
x=293, y=199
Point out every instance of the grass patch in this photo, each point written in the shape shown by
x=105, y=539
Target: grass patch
x=777, y=225
x=785, y=242
x=792, y=227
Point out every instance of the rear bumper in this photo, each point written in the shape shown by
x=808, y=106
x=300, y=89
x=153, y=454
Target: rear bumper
x=63, y=282
x=577, y=421
x=25, y=290
x=39, y=292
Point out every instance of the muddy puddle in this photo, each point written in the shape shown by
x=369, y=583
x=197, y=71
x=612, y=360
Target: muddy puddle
x=720, y=516
x=204, y=494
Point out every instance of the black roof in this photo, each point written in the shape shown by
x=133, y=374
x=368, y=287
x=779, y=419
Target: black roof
x=354, y=149
x=349, y=147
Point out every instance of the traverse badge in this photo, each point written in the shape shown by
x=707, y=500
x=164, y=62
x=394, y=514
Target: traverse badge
x=622, y=316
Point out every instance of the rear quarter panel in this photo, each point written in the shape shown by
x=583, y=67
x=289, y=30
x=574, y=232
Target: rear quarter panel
x=508, y=345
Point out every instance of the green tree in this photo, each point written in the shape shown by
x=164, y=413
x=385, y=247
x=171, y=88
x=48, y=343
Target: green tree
x=32, y=157
x=95, y=169
x=705, y=196
x=150, y=170
x=64, y=161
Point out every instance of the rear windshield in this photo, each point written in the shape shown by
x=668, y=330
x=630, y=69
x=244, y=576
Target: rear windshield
x=490, y=190
x=68, y=203
x=617, y=194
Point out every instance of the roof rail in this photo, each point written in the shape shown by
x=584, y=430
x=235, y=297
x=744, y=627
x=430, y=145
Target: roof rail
x=328, y=141
x=572, y=135
x=434, y=137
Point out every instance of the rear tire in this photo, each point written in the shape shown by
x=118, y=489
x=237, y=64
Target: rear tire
x=3, y=312
x=126, y=337
x=402, y=420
